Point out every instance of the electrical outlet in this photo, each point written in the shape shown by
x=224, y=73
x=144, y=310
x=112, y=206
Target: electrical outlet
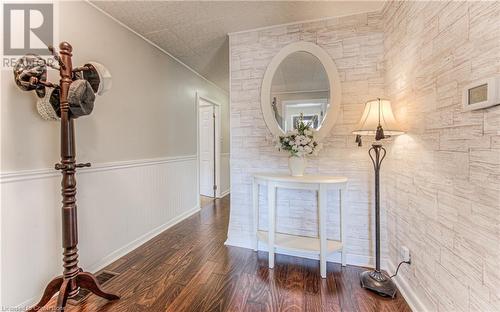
x=405, y=254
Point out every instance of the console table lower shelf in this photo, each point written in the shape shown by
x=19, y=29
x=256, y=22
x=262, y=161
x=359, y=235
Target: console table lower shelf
x=301, y=244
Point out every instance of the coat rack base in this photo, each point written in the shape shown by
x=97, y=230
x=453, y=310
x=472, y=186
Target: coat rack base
x=62, y=286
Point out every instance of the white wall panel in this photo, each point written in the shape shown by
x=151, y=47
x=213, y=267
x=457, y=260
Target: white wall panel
x=120, y=206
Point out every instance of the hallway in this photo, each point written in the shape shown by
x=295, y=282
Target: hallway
x=188, y=268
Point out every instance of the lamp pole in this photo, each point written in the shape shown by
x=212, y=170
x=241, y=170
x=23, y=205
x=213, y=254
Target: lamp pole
x=376, y=280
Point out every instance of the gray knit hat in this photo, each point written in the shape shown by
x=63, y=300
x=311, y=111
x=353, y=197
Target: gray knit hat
x=80, y=98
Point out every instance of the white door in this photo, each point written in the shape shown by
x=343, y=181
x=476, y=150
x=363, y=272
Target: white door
x=207, y=162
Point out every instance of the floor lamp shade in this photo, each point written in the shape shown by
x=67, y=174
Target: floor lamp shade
x=377, y=112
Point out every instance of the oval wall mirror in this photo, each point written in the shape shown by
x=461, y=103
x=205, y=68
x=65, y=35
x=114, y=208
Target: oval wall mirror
x=301, y=80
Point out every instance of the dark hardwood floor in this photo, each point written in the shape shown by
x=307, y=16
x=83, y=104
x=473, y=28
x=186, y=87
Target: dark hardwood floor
x=188, y=268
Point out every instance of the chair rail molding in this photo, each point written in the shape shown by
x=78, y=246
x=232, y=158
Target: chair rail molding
x=13, y=176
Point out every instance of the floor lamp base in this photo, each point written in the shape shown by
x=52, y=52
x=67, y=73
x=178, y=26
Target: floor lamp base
x=379, y=283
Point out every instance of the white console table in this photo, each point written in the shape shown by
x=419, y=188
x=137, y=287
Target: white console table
x=320, y=245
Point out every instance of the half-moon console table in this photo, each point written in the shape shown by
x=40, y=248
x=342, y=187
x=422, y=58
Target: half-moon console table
x=312, y=245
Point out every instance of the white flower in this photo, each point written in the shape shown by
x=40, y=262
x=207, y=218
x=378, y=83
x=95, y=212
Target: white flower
x=302, y=140
x=298, y=144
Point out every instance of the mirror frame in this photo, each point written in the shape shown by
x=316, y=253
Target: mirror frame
x=334, y=82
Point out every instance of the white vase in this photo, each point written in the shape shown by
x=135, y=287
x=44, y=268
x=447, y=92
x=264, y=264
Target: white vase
x=297, y=165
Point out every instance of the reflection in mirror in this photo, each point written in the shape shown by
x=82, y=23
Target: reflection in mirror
x=300, y=86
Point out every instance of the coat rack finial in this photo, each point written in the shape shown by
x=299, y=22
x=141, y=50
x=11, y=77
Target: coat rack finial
x=65, y=46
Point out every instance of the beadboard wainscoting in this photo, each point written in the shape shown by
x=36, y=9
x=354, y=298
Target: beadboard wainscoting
x=120, y=206
x=355, y=44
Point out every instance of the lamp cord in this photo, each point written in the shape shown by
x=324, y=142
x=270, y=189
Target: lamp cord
x=399, y=265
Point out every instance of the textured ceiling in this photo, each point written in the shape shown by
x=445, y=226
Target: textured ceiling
x=195, y=32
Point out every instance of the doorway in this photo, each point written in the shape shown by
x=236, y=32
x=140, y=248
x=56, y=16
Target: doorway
x=209, y=142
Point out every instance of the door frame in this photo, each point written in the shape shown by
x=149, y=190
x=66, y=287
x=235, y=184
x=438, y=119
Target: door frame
x=218, y=143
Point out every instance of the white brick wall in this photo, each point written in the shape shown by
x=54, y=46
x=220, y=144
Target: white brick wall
x=356, y=45
x=443, y=178
x=441, y=181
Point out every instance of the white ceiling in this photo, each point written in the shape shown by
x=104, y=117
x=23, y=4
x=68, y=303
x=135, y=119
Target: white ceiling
x=195, y=32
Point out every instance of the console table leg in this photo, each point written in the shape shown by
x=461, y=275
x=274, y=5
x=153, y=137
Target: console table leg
x=271, y=194
x=255, y=200
x=342, y=194
x=322, y=204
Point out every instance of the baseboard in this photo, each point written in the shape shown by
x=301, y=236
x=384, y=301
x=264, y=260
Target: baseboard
x=117, y=254
x=415, y=303
x=357, y=260
x=224, y=193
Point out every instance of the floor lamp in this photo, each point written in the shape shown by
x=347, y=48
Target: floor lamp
x=377, y=120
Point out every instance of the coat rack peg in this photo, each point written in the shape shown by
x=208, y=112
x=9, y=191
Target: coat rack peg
x=48, y=84
x=53, y=66
x=83, y=165
x=39, y=84
x=56, y=57
x=60, y=167
x=81, y=68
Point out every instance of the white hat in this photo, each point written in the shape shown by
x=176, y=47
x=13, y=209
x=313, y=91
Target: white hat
x=99, y=77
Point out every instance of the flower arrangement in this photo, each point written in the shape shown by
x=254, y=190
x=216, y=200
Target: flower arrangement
x=300, y=142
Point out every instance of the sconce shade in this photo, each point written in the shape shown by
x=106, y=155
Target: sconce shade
x=378, y=112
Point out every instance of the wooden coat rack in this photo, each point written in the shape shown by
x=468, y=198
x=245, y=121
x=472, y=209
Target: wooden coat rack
x=73, y=278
